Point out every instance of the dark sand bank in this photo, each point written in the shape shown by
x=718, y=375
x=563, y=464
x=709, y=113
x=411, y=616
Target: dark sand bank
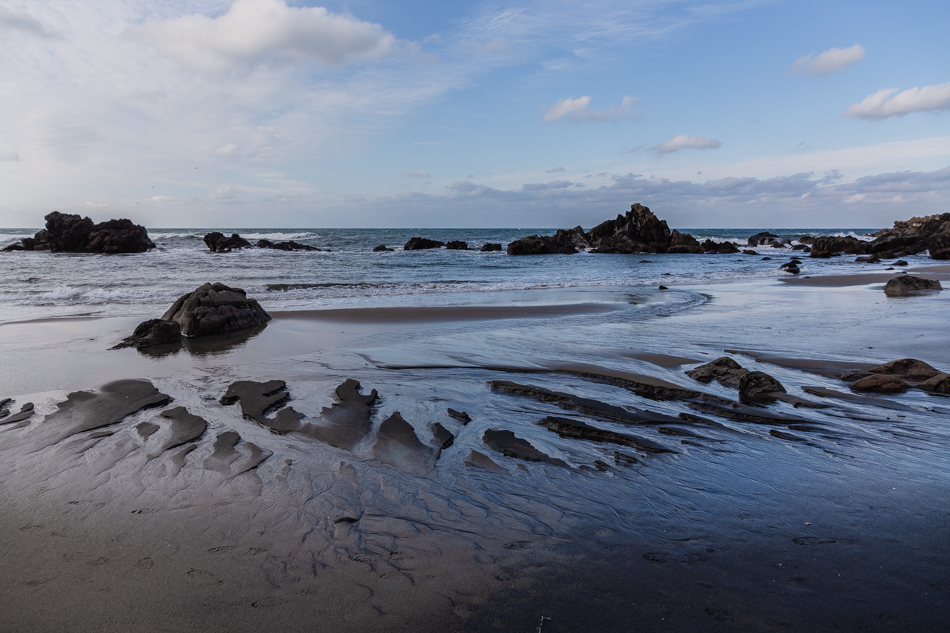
x=768, y=517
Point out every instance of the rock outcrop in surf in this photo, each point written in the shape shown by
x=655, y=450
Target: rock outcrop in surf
x=71, y=233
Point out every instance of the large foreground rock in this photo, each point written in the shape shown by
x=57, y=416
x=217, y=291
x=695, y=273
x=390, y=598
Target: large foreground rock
x=908, y=284
x=70, y=233
x=215, y=308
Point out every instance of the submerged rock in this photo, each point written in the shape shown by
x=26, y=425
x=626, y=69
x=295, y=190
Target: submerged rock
x=285, y=246
x=381, y=248
x=908, y=284
x=215, y=308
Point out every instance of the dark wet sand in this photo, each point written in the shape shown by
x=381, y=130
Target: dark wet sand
x=768, y=518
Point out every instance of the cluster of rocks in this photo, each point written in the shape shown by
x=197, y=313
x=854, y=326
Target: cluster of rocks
x=212, y=308
x=639, y=231
x=423, y=243
x=220, y=243
x=70, y=233
x=908, y=237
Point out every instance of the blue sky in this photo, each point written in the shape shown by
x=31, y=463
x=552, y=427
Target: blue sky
x=244, y=113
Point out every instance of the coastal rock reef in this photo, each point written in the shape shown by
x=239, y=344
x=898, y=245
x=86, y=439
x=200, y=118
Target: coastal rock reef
x=70, y=233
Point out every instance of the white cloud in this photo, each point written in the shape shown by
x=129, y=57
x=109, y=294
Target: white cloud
x=229, y=149
x=578, y=110
x=682, y=141
x=889, y=102
x=830, y=61
x=255, y=32
x=417, y=174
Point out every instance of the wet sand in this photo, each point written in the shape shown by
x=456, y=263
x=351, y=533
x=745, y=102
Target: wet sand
x=686, y=510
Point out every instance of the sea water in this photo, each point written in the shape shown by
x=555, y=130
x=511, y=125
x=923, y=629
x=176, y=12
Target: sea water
x=347, y=273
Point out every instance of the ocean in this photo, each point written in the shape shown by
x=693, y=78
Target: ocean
x=346, y=273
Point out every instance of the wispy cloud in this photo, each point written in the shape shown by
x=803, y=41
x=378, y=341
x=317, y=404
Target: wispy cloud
x=682, y=141
x=416, y=174
x=579, y=110
x=892, y=102
x=830, y=61
x=23, y=23
x=254, y=32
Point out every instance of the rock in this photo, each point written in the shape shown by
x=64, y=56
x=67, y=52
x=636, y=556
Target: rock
x=398, y=445
x=442, y=436
x=757, y=386
x=639, y=231
x=683, y=243
x=869, y=259
x=930, y=233
x=486, y=248
x=763, y=239
x=382, y=248
x=900, y=262
x=70, y=233
x=421, y=243
x=662, y=287
x=879, y=383
x=908, y=284
x=801, y=247
x=943, y=253
x=152, y=332
x=749, y=252
x=575, y=429
x=937, y=384
x=510, y=445
x=564, y=242
x=285, y=246
x=457, y=245
x=830, y=246
x=461, y=416
x=725, y=371
x=806, y=239
x=721, y=248
x=909, y=369
x=215, y=308
x=218, y=243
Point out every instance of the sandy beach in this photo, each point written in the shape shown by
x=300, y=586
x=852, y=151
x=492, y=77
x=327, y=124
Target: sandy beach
x=151, y=505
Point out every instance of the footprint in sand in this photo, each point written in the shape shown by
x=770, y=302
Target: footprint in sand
x=223, y=548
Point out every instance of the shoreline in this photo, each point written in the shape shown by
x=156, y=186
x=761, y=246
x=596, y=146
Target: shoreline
x=108, y=531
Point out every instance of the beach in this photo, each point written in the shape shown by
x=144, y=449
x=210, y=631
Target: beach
x=819, y=512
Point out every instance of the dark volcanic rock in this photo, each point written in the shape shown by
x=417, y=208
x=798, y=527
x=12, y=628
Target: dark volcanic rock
x=442, y=436
x=457, y=245
x=831, y=246
x=764, y=239
x=382, y=248
x=639, y=231
x=421, y=243
x=725, y=371
x=684, y=243
x=758, y=386
x=908, y=284
x=70, y=233
x=285, y=246
x=510, y=445
x=486, y=248
x=152, y=332
x=461, y=416
x=564, y=242
x=929, y=233
x=723, y=248
x=575, y=429
x=219, y=243
x=880, y=383
x=215, y=308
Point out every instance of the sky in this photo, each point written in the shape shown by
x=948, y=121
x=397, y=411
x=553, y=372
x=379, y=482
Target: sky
x=523, y=113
